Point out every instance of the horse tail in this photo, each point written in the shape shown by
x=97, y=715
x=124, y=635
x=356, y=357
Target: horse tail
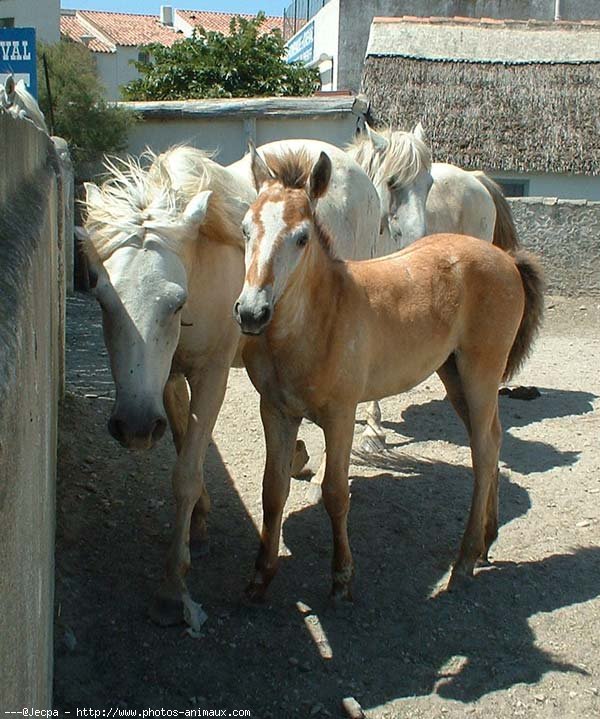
x=532, y=277
x=505, y=232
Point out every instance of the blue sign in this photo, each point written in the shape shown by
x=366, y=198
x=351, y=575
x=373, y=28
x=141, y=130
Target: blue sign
x=18, y=56
x=302, y=46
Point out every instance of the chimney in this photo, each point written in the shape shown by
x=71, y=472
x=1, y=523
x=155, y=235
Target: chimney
x=87, y=39
x=166, y=15
x=557, y=10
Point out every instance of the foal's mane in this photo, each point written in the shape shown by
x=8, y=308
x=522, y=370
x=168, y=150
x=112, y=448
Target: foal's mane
x=151, y=193
x=292, y=169
x=404, y=158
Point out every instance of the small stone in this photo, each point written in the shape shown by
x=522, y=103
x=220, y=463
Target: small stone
x=583, y=523
x=352, y=708
x=316, y=709
x=540, y=697
x=293, y=661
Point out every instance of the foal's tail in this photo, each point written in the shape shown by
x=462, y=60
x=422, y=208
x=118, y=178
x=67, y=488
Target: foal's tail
x=532, y=277
x=505, y=232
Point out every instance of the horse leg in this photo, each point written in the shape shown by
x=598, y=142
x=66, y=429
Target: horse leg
x=450, y=377
x=373, y=438
x=207, y=392
x=339, y=433
x=177, y=405
x=482, y=401
x=281, y=431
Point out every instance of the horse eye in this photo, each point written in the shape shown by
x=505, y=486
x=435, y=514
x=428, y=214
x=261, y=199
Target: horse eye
x=302, y=239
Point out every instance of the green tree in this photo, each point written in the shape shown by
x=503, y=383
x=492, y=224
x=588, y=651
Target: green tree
x=245, y=63
x=81, y=115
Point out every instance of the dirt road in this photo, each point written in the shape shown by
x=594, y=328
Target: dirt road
x=523, y=640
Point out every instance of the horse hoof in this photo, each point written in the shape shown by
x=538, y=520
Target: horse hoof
x=460, y=580
x=199, y=548
x=372, y=443
x=340, y=599
x=314, y=492
x=254, y=594
x=166, y=611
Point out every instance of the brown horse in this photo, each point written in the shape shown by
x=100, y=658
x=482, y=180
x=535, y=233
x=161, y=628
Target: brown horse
x=329, y=334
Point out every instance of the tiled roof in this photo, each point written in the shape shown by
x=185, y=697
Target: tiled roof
x=219, y=21
x=72, y=28
x=130, y=30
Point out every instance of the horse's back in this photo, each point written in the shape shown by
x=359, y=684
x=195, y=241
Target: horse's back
x=459, y=203
x=349, y=211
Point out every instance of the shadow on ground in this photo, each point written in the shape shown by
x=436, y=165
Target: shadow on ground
x=403, y=636
x=436, y=419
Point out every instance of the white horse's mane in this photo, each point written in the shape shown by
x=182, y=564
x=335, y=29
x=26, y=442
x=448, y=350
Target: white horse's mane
x=150, y=193
x=403, y=159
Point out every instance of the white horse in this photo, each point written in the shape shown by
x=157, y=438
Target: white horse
x=349, y=210
x=16, y=99
x=165, y=249
x=166, y=254
x=450, y=200
x=421, y=198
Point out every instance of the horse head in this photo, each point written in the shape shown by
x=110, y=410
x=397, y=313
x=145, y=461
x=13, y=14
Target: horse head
x=280, y=229
x=135, y=239
x=399, y=165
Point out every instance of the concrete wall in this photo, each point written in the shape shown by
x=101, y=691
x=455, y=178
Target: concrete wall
x=226, y=131
x=32, y=220
x=43, y=15
x=356, y=17
x=565, y=234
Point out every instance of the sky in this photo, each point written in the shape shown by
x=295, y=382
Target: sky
x=151, y=7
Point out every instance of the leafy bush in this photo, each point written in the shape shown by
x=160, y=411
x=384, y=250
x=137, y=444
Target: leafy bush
x=81, y=115
x=246, y=63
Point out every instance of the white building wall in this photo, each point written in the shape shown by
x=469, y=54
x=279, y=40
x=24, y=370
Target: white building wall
x=43, y=15
x=115, y=70
x=566, y=187
x=326, y=42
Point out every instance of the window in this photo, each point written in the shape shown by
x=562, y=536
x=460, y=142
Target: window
x=7, y=22
x=514, y=188
x=144, y=57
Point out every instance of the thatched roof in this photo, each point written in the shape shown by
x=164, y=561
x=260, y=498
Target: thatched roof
x=486, y=103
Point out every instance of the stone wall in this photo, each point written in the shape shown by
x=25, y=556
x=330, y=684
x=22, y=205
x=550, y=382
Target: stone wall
x=32, y=225
x=566, y=236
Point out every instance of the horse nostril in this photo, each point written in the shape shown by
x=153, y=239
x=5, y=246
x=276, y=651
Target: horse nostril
x=160, y=426
x=236, y=309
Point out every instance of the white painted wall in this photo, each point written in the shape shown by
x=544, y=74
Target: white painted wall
x=226, y=136
x=115, y=70
x=566, y=187
x=43, y=15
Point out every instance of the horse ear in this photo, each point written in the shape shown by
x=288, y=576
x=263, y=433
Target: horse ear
x=93, y=196
x=379, y=142
x=196, y=209
x=260, y=170
x=419, y=132
x=319, y=177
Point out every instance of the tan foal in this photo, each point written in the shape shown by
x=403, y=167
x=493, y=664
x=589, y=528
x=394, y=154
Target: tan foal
x=325, y=335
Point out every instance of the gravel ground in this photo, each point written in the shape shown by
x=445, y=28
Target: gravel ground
x=521, y=641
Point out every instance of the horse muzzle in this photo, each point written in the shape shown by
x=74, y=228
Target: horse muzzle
x=140, y=430
x=252, y=319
